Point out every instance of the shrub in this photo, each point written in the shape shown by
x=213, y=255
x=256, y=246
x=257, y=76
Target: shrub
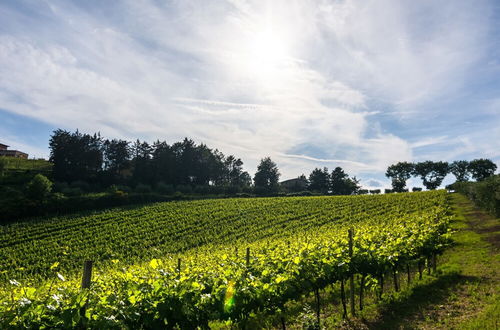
x=165, y=189
x=82, y=185
x=416, y=189
x=60, y=187
x=38, y=188
x=362, y=191
x=485, y=194
x=202, y=190
x=72, y=191
x=388, y=191
x=185, y=189
x=143, y=188
x=375, y=191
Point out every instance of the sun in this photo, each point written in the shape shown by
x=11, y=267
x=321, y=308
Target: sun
x=268, y=55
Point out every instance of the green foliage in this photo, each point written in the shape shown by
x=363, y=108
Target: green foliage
x=482, y=168
x=165, y=189
x=342, y=184
x=485, y=193
x=38, y=188
x=431, y=173
x=214, y=282
x=267, y=176
x=3, y=165
x=460, y=169
x=143, y=188
x=399, y=174
x=319, y=180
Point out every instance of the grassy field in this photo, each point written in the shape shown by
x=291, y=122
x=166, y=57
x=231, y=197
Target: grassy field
x=14, y=163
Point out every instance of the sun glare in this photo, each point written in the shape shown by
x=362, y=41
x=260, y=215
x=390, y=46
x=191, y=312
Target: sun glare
x=267, y=56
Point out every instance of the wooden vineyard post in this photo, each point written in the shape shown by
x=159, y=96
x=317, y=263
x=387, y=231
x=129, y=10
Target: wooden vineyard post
x=395, y=276
x=318, y=311
x=381, y=286
x=408, y=273
x=351, y=280
x=428, y=265
x=420, y=269
x=179, y=267
x=434, y=263
x=87, y=274
x=248, y=257
x=361, y=288
x=342, y=297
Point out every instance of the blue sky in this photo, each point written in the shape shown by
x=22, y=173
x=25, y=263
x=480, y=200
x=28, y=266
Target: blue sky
x=356, y=84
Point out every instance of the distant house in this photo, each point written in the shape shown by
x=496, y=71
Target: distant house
x=296, y=184
x=11, y=153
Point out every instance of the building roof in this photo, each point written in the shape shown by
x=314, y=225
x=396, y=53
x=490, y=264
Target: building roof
x=4, y=145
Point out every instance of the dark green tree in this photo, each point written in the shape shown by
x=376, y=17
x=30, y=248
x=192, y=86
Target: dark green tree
x=319, y=180
x=342, y=184
x=399, y=173
x=431, y=173
x=267, y=176
x=460, y=169
x=482, y=168
x=117, y=156
x=76, y=156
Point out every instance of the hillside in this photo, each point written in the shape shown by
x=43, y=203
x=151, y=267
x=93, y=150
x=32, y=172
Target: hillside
x=206, y=262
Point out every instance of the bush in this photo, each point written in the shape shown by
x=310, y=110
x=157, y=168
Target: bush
x=301, y=193
x=72, y=191
x=244, y=195
x=416, y=189
x=38, y=188
x=59, y=187
x=362, y=191
x=165, y=189
x=375, y=191
x=485, y=194
x=388, y=191
x=82, y=185
x=143, y=188
x=185, y=189
x=202, y=190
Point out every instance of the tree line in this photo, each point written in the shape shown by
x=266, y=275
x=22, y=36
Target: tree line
x=432, y=173
x=181, y=166
x=93, y=159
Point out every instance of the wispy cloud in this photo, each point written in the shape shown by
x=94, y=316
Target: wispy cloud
x=342, y=82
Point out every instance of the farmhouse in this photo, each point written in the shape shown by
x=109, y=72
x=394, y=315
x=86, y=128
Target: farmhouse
x=11, y=153
x=295, y=184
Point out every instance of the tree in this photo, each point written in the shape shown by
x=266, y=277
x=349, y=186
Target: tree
x=431, y=173
x=267, y=176
x=342, y=184
x=38, y=188
x=482, y=168
x=399, y=173
x=76, y=156
x=460, y=169
x=116, y=157
x=319, y=180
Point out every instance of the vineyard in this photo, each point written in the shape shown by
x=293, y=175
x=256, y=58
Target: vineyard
x=188, y=264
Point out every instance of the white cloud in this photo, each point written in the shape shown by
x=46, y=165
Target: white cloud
x=248, y=77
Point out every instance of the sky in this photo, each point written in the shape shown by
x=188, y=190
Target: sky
x=356, y=84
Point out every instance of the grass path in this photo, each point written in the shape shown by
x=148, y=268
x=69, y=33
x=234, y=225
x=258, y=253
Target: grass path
x=464, y=293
